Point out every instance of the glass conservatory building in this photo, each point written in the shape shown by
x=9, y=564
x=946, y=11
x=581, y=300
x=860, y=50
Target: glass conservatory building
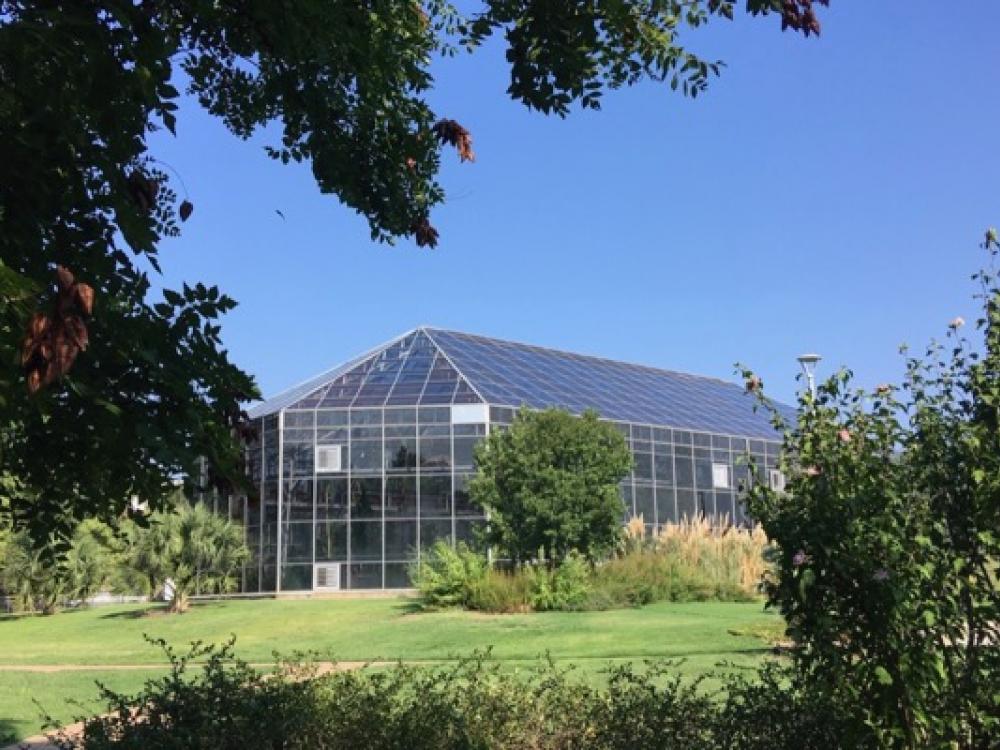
x=362, y=467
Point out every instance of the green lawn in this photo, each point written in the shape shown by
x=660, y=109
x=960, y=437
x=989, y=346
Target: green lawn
x=360, y=630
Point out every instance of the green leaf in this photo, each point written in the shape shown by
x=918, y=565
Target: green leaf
x=883, y=676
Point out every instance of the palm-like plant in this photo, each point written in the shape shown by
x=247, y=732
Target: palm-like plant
x=194, y=548
x=44, y=582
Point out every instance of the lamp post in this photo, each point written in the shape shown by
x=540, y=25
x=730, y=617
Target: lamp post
x=808, y=363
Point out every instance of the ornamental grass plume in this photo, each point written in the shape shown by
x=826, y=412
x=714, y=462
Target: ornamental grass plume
x=726, y=554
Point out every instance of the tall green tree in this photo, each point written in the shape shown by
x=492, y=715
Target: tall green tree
x=108, y=391
x=889, y=536
x=549, y=484
x=194, y=549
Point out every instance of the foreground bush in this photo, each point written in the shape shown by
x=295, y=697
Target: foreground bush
x=889, y=538
x=472, y=704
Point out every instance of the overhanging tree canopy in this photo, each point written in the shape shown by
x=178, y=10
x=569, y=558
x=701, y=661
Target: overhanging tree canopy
x=106, y=393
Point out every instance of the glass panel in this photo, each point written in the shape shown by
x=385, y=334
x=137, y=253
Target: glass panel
x=431, y=415
x=268, y=577
x=366, y=456
x=400, y=454
x=666, y=508
x=464, y=451
x=643, y=466
x=683, y=471
x=366, y=576
x=435, y=453
x=331, y=418
x=298, y=500
x=296, y=542
x=435, y=496
x=434, y=530
x=296, y=577
x=397, y=577
x=706, y=503
x=400, y=416
x=663, y=465
x=703, y=473
x=298, y=460
x=685, y=504
x=366, y=498
x=644, y=505
x=741, y=518
x=401, y=496
x=366, y=417
x=724, y=506
x=400, y=540
x=331, y=541
x=331, y=498
x=366, y=540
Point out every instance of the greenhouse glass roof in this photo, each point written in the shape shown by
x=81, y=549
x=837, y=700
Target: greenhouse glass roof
x=434, y=366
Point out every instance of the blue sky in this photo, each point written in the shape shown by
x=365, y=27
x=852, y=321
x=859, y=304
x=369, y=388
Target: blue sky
x=824, y=195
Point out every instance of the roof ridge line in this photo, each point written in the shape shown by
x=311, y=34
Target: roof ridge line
x=595, y=357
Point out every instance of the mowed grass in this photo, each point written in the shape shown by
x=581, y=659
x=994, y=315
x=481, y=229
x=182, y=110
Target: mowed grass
x=64, y=696
x=702, y=634
x=382, y=629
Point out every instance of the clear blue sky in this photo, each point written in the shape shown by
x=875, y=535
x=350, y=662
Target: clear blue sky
x=824, y=195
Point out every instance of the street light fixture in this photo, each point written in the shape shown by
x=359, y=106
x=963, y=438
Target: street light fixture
x=808, y=362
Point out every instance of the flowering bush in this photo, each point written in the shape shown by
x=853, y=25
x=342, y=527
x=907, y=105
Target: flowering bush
x=889, y=538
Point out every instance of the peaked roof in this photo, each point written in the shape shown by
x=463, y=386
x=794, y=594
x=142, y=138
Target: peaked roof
x=435, y=366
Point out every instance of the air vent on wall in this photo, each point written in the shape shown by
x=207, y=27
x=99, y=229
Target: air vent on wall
x=776, y=480
x=328, y=459
x=327, y=577
x=721, y=477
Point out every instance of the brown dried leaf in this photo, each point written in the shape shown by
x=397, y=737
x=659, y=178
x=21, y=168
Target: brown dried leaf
x=426, y=235
x=38, y=325
x=450, y=132
x=65, y=278
x=185, y=210
x=76, y=331
x=84, y=295
x=34, y=380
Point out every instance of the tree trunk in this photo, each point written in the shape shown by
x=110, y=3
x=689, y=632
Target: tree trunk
x=180, y=603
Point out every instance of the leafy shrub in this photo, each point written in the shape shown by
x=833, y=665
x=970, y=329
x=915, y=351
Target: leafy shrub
x=38, y=581
x=692, y=561
x=446, y=576
x=500, y=591
x=473, y=703
x=564, y=587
